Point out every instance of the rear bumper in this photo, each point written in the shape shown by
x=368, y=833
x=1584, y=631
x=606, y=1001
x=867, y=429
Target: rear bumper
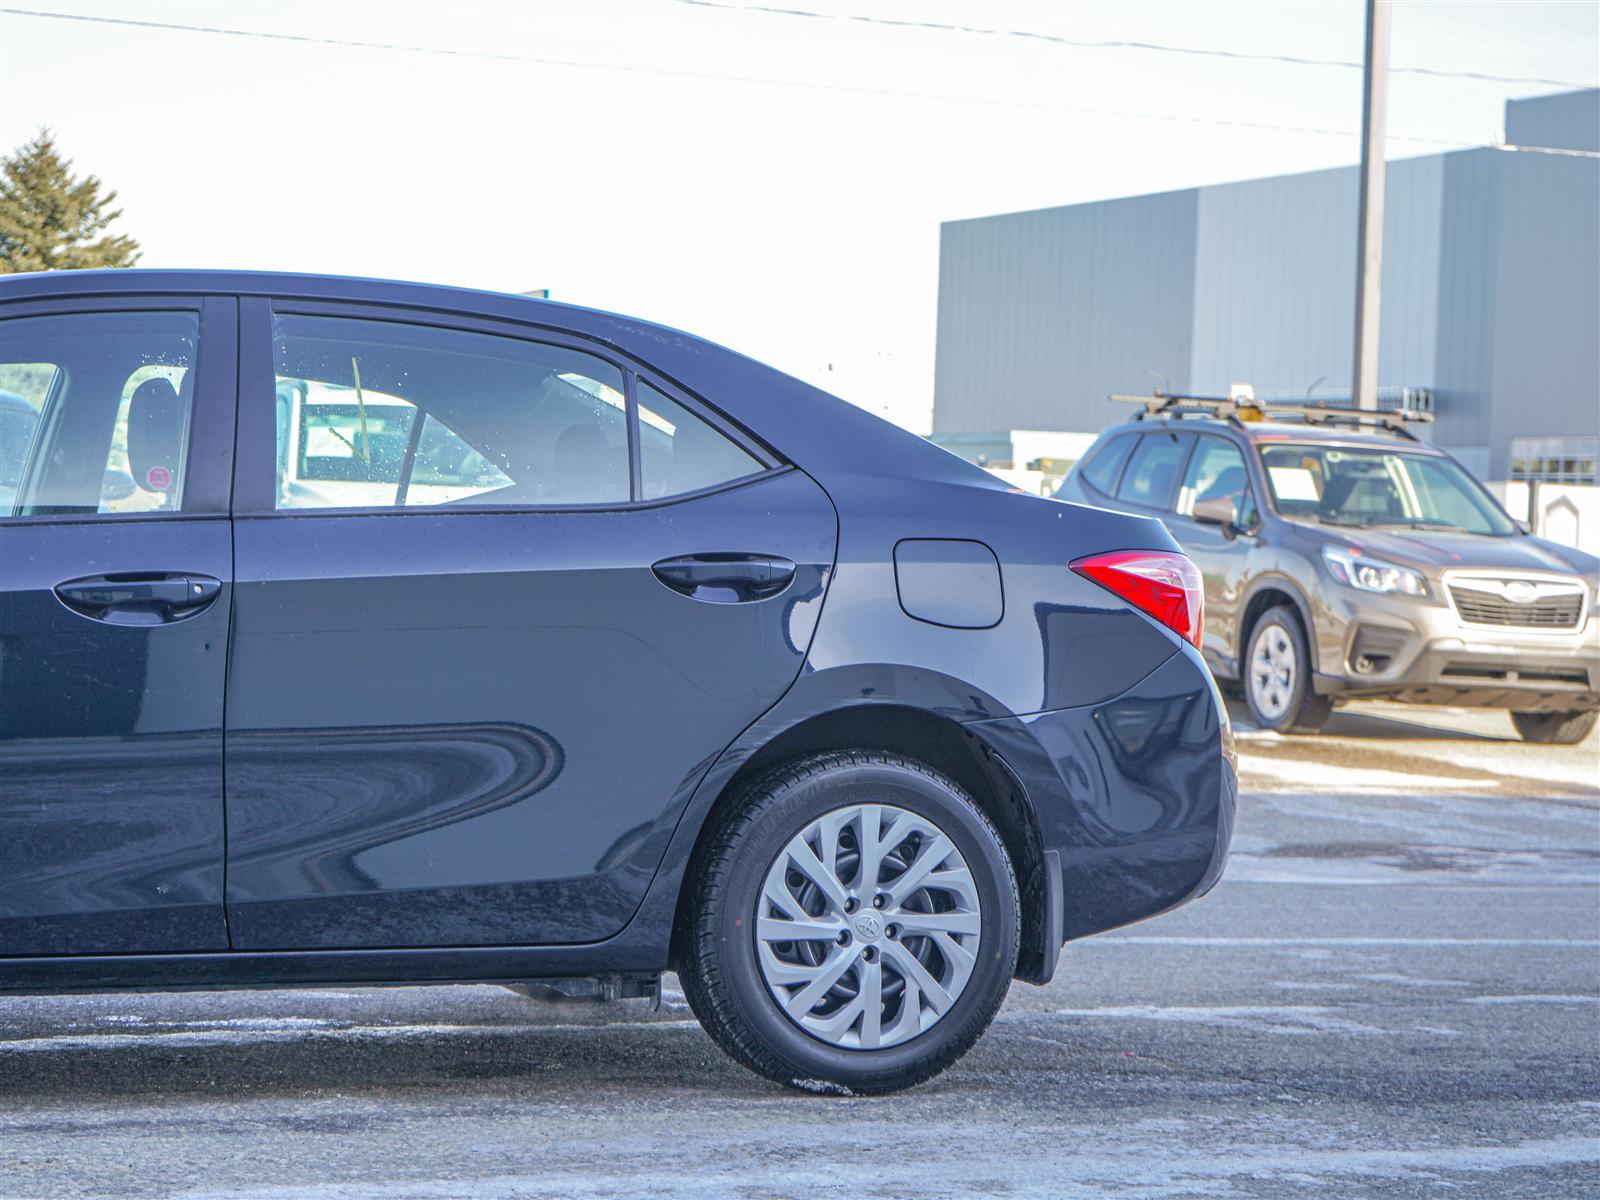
x=1136, y=794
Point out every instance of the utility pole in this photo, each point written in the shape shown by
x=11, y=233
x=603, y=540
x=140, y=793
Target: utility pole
x=1369, y=244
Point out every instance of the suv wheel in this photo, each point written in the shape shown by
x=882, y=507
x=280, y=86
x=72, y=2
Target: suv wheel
x=1554, y=729
x=855, y=925
x=1277, y=676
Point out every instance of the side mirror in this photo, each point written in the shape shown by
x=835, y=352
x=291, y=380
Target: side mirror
x=117, y=485
x=1218, y=510
x=1522, y=526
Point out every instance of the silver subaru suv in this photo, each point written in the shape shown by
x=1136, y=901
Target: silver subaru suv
x=1345, y=558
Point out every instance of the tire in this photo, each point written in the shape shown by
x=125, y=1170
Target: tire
x=736, y=965
x=1277, y=676
x=1554, y=729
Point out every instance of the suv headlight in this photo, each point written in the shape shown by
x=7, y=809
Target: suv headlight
x=1371, y=574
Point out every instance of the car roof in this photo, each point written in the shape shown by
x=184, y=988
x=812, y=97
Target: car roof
x=1275, y=431
x=815, y=430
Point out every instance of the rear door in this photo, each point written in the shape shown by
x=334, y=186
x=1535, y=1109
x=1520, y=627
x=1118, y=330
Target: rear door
x=115, y=581
x=1150, y=480
x=502, y=599
x=1216, y=469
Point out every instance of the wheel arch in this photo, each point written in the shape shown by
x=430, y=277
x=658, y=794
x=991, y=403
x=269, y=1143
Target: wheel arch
x=1269, y=592
x=929, y=738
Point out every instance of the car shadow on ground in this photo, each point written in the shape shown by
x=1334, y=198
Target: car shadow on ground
x=370, y=1061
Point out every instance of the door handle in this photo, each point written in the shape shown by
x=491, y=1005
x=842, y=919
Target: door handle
x=139, y=599
x=726, y=578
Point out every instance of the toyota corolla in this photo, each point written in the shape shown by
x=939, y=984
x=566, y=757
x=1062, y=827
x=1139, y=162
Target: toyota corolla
x=363, y=633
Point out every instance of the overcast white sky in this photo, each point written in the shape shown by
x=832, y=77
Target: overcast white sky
x=744, y=175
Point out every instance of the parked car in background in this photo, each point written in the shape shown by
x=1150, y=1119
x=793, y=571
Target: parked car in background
x=454, y=636
x=18, y=420
x=1343, y=557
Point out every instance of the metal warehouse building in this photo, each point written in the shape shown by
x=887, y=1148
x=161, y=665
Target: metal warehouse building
x=1491, y=299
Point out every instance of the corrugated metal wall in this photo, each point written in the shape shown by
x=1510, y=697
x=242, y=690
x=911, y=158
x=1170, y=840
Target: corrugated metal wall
x=1041, y=314
x=1491, y=293
x=1464, y=360
x=1275, y=280
x=1546, y=377
x=1569, y=121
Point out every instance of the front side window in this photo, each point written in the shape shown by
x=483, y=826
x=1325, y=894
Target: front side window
x=380, y=414
x=678, y=452
x=1216, y=471
x=1349, y=485
x=94, y=412
x=1153, y=471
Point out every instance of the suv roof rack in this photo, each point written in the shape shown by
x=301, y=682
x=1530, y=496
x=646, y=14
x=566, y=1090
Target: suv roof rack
x=1241, y=409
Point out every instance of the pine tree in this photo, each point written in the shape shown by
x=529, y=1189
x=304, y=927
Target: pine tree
x=50, y=221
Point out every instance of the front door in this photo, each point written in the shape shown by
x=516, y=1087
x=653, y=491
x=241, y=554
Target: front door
x=116, y=430
x=501, y=602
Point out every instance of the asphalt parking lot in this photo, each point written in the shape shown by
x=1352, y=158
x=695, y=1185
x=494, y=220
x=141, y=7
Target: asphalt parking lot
x=1394, y=992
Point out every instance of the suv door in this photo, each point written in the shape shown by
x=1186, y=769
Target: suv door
x=502, y=599
x=1216, y=469
x=115, y=581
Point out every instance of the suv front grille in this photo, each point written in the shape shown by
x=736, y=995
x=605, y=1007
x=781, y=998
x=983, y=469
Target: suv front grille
x=1547, y=612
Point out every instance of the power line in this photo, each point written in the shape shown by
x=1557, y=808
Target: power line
x=1034, y=35
x=804, y=84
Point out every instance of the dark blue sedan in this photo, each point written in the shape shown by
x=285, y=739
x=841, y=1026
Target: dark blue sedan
x=359, y=632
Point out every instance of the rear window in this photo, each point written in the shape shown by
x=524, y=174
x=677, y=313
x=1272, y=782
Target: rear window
x=1103, y=466
x=1153, y=473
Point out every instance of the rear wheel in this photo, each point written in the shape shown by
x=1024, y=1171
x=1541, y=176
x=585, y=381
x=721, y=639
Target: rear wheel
x=1277, y=681
x=855, y=925
x=1554, y=729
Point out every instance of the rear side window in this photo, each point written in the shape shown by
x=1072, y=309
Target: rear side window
x=379, y=414
x=1101, y=471
x=1153, y=471
x=95, y=412
x=678, y=452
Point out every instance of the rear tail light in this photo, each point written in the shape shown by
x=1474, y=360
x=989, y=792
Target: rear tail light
x=1165, y=585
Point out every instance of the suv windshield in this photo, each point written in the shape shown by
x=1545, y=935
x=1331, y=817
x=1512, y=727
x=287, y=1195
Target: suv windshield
x=1348, y=485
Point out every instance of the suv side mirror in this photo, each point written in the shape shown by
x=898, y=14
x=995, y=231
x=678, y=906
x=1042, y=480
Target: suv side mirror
x=1218, y=510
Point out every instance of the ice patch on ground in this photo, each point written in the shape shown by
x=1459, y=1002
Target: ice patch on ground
x=1295, y=1020
x=253, y=1031
x=1294, y=985
x=1311, y=776
x=1372, y=863
x=1089, y=1164
x=1412, y=981
x=820, y=1087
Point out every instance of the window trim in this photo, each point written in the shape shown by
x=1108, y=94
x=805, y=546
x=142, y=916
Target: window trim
x=209, y=456
x=256, y=466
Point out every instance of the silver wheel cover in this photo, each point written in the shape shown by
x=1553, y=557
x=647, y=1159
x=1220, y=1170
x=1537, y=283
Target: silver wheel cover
x=1272, y=669
x=867, y=926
